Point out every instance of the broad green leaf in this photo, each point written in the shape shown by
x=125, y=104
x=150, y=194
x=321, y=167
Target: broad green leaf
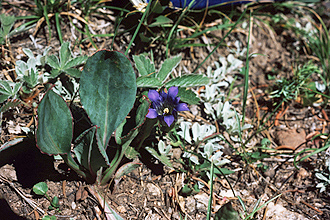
x=54, y=132
x=107, y=91
x=143, y=65
x=148, y=82
x=140, y=118
x=188, y=96
x=167, y=67
x=189, y=81
x=87, y=152
x=126, y=169
x=162, y=158
x=40, y=188
x=226, y=212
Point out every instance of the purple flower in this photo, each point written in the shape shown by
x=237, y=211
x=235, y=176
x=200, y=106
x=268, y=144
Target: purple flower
x=166, y=106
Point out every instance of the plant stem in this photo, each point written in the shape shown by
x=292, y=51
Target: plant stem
x=138, y=27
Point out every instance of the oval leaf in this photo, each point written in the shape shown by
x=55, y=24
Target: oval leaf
x=40, y=188
x=107, y=91
x=54, y=132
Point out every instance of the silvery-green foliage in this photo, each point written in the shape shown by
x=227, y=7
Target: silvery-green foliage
x=229, y=117
x=163, y=149
x=220, y=78
x=324, y=177
x=320, y=87
x=193, y=158
x=185, y=131
x=28, y=72
x=239, y=52
x=195, y=134
x=64, y=91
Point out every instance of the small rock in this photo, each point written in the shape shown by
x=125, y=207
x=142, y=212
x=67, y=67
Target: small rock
x=227, y=193
x=190, y=204
x=302, y=174
x=202, y=201
x=121, y=209
x=73, y=205
x=278, y=212
x=154, y=190
x=9, y=172
x=291, y=138
x=269, y=173
x=177, y=153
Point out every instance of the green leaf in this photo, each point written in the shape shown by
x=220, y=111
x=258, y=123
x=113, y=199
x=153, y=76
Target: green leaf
x=11, y=143
x=107, y=91
x=73, y=72
x=7, y=23
x=28, y=52
x=126, y=169
x=66, y=63
x=188, y=96
x=144, y=65
x=75, y=62
x=8, y=89
x=224, y=171
x=160, y=20
x=189, y=81
x=162, y=158
x=40, y=188
x=55, y=202
x=53, y=61
x=167, y=67
x=54, y=132
x=148, y=82
x=87, y=152
x=65, y=54
x=131, y=153
x=226, y=212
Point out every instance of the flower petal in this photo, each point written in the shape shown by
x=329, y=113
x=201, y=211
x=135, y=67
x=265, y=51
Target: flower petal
x=169, y=119
x=173, y=91
x=152, y=113
x=153, y=95
x=182, y=107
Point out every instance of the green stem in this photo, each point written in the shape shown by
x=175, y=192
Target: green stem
x=220, y=43
x=209, y=207
x=47, y=21
x=58, y=27
x=70, y=161
x=246, y=72
x=176, y=25
x=137, y=142
x=138, y=27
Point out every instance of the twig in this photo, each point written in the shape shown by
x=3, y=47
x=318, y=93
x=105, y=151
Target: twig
x=32, y=203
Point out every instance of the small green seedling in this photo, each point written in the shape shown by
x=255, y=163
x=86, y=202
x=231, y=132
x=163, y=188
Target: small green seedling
x=41, y=188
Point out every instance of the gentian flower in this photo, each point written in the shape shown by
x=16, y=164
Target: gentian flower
x=165, y=106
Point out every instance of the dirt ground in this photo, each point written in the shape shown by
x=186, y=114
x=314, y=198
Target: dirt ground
x=150, y=192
